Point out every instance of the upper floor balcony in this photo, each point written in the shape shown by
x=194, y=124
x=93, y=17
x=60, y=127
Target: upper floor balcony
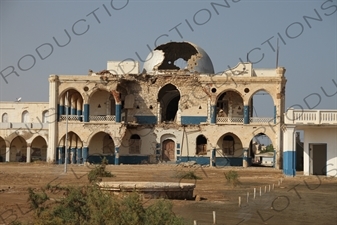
x=310, y=117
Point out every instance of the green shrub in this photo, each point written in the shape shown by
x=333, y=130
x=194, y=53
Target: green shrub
x=99, y=171
x=232, y=178
x=89, y=205
x=187, y=175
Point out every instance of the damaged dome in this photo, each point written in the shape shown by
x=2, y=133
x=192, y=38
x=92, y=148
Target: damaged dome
x=178, y=56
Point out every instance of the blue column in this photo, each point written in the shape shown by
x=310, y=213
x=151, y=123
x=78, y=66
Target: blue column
x=289, y=162
x=213, y=114
x=73, y=111
x=274, y=114
x=213, y=157
x=79, y=113
x=62, y=154
x=246, y=114
x=68, y=156
x=60, y=110
x=118, y=109
x=73, y=155
x=116, y=155
x=85, y=151
x=79, y=156
x=86, y=113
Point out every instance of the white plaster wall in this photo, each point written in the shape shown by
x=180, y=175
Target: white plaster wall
x=148, y=142
x=321, y=136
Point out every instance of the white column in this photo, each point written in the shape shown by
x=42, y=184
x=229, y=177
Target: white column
x=28, y=159
x=289, y=151
x=53, y=93
x=8, y=154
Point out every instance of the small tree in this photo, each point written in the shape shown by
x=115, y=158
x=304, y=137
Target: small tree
x=232, y=178
x=99, y=171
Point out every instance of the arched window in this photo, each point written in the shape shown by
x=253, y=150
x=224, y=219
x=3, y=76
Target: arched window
x=45, y=115
x=228, y=145
x=201, y=145
x=134, y=144
x=5, y=118
x=25, y=117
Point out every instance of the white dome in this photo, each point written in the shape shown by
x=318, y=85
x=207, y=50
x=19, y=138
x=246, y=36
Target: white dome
x=178, y=56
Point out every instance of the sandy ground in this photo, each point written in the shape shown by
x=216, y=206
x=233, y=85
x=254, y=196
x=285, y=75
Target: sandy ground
x=299, y=200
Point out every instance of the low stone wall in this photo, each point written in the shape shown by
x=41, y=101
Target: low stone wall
x=169, y=190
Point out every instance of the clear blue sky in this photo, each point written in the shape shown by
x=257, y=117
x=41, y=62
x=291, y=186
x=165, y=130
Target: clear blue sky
x=117, y=30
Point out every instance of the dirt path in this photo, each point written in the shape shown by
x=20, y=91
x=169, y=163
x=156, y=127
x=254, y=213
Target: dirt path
x=300, y=200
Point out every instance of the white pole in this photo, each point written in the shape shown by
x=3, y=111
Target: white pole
x=254, y=193
x=269, y=188
x=260, y=191
x=247, y=196
x=66, y=150
x=214, y=217
x=195, y=222
x=239, y=201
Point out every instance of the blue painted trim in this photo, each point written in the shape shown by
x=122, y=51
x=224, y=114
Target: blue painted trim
x=275, y=114
x=188, y=120
x=68, y=158
x=79, y=113
x=97, y=159
x=213, y=157
x=73, y=111
x=178, y=145
x=116, y=155
x=85, y=151
x=228, y=161
x=73, y=158
x=62, y=110
x=199, y=160
x=79, y=155
x=213, y=114
x=86, y=113
x=289, y=163
x=129, y=159
x=118, y=110
x=146, y=119
x=246, y=114
x=178, y=152
x=58, y=112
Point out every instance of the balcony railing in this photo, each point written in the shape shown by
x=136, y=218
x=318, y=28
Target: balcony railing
x=298, y=116
x=229, y=120
x=268, y=120
x=70, y=117
x=108, y=118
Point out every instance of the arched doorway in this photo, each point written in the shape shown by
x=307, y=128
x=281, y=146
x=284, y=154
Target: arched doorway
x=168, y=98
x=134, y=144
x=2, y=150
x=229, y=108
x=201, y=145
x=101, y=145
x=261, y=150
x=38, y=149
x=168, y=150
x=18, y=150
